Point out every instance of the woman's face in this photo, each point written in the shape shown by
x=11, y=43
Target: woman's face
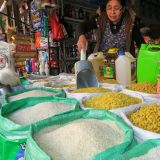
x=114, y=10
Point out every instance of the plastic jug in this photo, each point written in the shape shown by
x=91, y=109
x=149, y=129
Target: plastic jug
x=148, y=64
x=97, y=60
x=125, y=68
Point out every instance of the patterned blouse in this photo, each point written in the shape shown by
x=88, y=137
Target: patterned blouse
x=111, y=40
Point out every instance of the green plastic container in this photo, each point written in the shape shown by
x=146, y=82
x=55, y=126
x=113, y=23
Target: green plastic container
x=148, y=65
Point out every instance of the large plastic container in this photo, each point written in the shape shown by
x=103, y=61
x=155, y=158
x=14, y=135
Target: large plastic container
x=97, y=60
x=125, y=68
x=148, y=65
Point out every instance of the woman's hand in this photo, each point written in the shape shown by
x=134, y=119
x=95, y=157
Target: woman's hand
x=82, y=43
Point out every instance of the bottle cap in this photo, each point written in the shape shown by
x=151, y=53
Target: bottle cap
x=112, y=50
x=121, y=53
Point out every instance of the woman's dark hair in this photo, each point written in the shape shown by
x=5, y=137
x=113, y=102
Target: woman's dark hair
x=122, y=2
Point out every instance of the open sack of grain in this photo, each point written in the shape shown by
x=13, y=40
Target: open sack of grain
x=148, y=150
x=34, y=78
x=43, y=83
x=115, y=102
x=33, y=92
x=114, y=87
x=146, y=89
x=80, y=135
x=83, y=92
x=144, y=120
x=64, y=83
x=41, y=80
x=16, y=118
x=63, y=80
x=64, y=86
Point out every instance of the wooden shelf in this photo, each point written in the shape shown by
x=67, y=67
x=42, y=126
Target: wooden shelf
x=72, y=59
x=74, y=20
x=84, y=4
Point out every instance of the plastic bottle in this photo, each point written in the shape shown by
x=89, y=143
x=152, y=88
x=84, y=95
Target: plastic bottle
x=46, y=69
x=97, y=60
x=125, y=68
x=42, y=68
x=109, y=64
x=28, y=66
x=33, y=65
x=81, y=13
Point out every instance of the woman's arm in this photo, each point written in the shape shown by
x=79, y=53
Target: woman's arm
x=82, y=29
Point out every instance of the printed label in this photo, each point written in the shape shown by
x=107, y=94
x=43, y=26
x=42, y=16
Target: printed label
x=3, y=61
x=108, y=71
x=21, y=153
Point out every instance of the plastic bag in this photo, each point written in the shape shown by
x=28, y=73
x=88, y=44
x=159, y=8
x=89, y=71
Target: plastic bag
x=147, y=97
x=56, y=26
x=140, y=150
x=139, y=133
x=13, y=136
x=117, y=110
x=56, y=92
x=34, y=152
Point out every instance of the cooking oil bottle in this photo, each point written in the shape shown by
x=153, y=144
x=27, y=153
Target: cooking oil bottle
x=109, y=64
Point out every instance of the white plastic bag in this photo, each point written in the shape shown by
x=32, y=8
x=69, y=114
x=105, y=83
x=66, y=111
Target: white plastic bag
x=139, y=133
x=146, y=96
x=117, y=110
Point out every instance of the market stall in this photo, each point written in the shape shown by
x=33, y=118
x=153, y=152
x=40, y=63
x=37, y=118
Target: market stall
x=44, y=115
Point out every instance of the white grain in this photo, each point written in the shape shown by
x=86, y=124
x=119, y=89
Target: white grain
x=38, y=112
x=32, y=93
x=80, y=139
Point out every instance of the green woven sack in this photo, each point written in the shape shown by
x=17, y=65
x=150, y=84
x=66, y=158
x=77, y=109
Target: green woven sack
x=34, y=152
x=24, y=81
x=56, y=92
x=13, y=136
x=140, y=149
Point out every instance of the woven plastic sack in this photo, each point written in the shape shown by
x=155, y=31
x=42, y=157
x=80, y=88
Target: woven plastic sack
x=117, y=110
x=147, y=97
x=55, y=92
x=140, y=134
x=13, y=136
x=34, y=152
x=140, y=150
x=79, y=96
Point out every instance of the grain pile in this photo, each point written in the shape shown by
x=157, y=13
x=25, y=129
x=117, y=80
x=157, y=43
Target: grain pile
x=91, y=90
x=153, y=154
x=110, y=101
x=64, y=86
x=80, y=139
x=112, y=81
x=32, y=93
x=144, y=87
x=38, y=112
x=147, y=117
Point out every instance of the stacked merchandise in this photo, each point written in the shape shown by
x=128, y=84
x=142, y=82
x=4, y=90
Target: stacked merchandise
x=24, y=50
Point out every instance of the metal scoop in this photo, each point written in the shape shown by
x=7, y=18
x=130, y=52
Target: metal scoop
x=85, y=75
